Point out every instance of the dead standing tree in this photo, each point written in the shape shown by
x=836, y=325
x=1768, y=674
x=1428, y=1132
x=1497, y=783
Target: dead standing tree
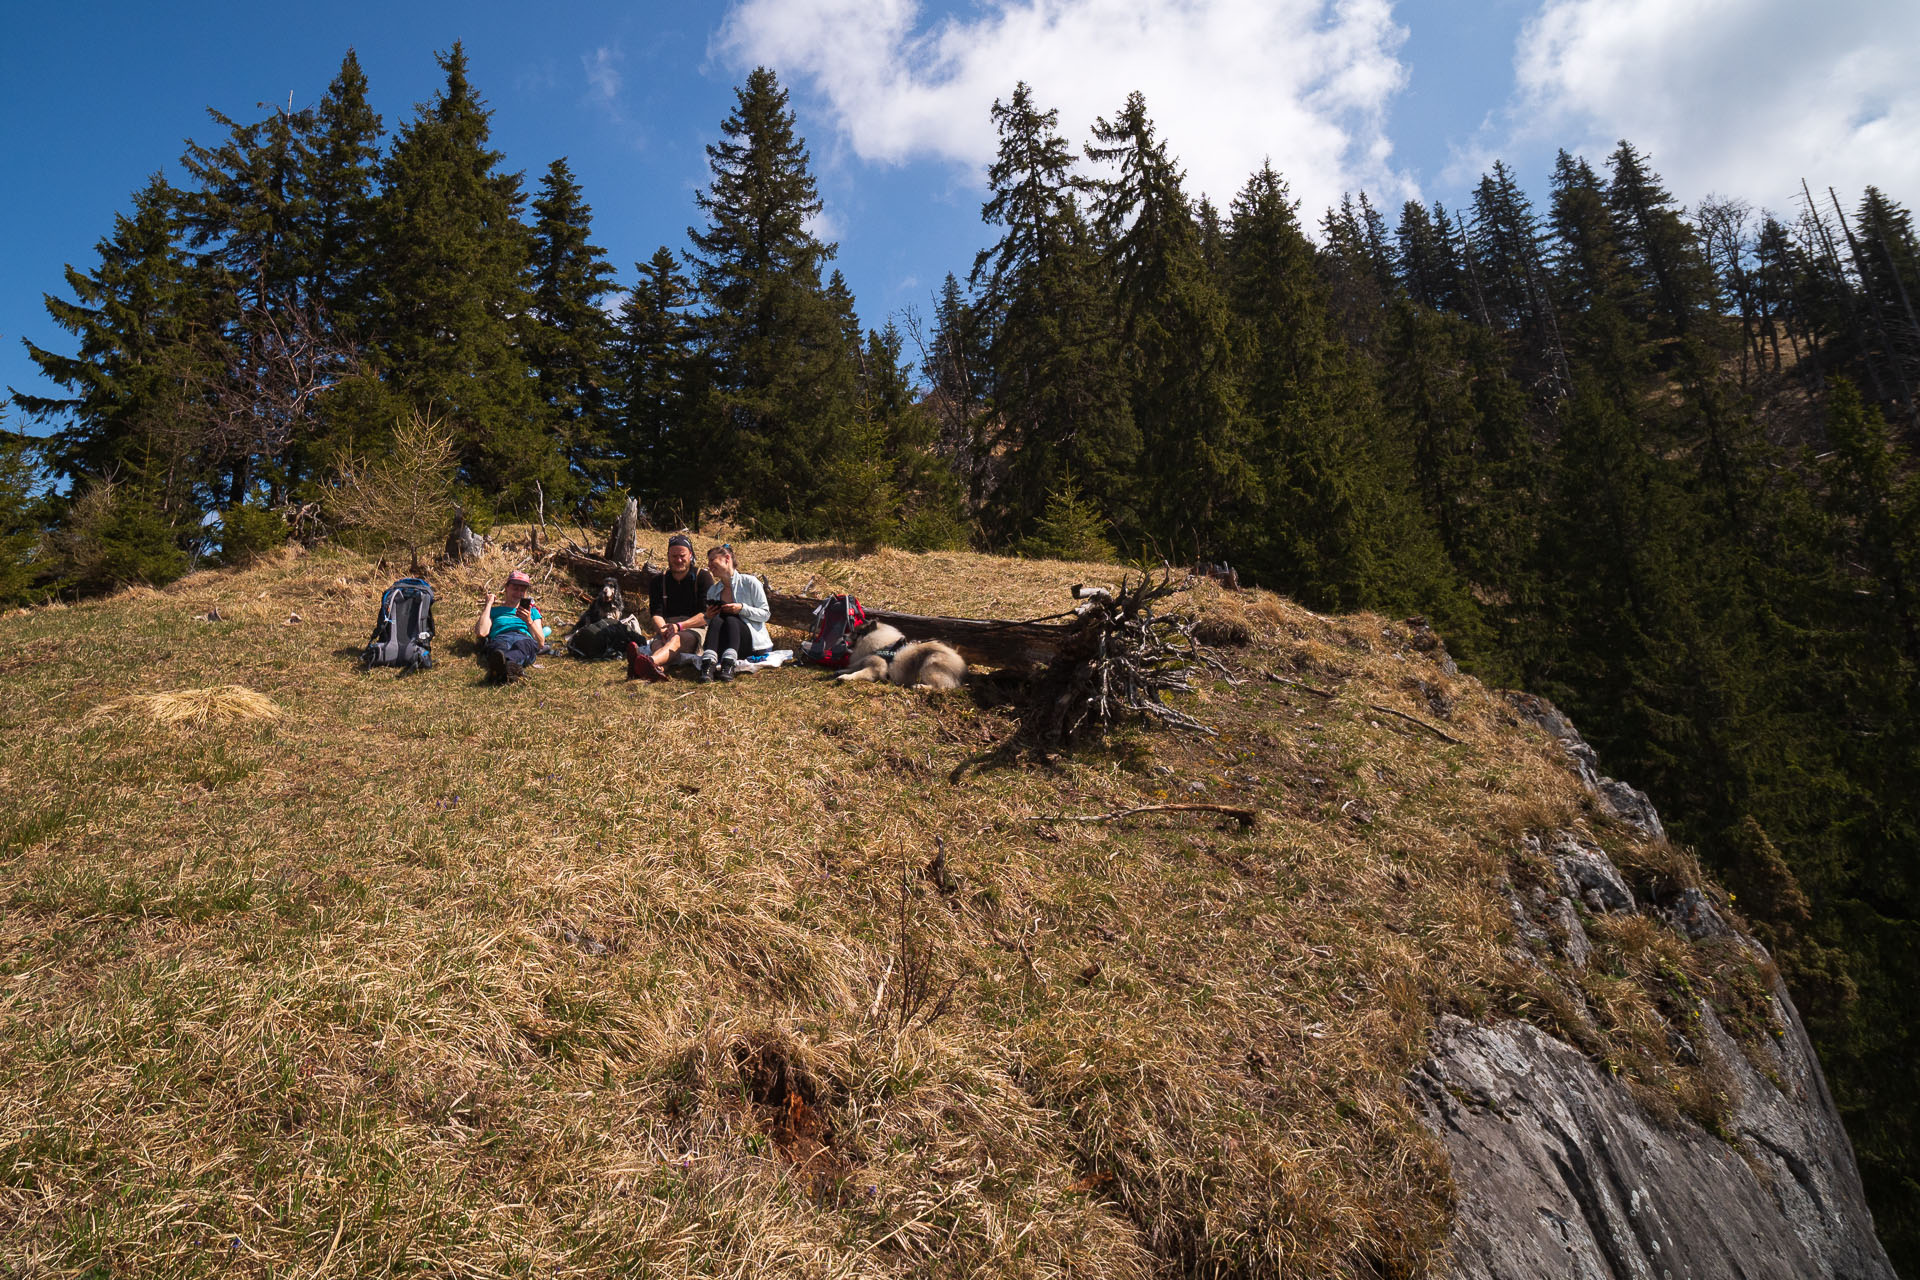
x=261, y=384
x=623, y=542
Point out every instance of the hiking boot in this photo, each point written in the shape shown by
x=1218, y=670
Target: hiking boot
x=640, y=664
x=706, y=673
x=496, y=662
x=514, y=670
x=728, y=669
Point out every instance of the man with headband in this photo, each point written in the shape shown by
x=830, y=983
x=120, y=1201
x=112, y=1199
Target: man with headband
x=676, y=603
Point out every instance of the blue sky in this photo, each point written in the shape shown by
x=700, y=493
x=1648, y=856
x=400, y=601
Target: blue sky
x=1735, y=97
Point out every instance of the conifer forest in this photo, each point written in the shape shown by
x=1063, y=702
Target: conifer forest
x=1655, y=463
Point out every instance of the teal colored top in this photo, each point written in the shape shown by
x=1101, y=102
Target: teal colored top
x=504, y=620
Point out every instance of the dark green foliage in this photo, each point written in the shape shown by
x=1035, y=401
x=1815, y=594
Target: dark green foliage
x=247, y=533
x=1359, y=266
x=136, y=406
x=1886, y=260
x=779, y=350
x=1671, y=286
x=342, y=167
x=113, y=536
x=1070, y=528
x=958, y=369
x=247, y=217
x=1339, y=525
x=1429, y=260
x=451, y=303
x=656, y=367
x=931, y=509
x=1185, y=395
x=22, y=514
x=1057, y=393
x=570, y=335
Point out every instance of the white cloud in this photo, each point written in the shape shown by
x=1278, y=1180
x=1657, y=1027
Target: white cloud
x=603, y=75
x=1734, y=97
x=1229, y=83
x=824, y=227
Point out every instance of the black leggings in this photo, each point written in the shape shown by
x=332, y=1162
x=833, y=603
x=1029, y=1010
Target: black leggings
x=729, y=631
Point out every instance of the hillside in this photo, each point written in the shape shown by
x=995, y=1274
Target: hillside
x=375, y=974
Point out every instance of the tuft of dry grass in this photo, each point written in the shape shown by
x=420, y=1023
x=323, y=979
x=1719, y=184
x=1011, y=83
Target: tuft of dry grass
x=190, y=708
x=583, y=977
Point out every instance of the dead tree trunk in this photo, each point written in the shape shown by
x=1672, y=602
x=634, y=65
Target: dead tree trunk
x=1120, y=658
x=463, y=543
x=623, y=541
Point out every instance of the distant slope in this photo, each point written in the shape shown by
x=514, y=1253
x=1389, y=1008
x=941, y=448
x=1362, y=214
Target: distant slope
x=584, y=977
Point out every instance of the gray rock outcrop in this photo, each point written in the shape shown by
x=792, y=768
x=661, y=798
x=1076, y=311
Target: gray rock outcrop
x=1561, y=1171
x=1626, y=803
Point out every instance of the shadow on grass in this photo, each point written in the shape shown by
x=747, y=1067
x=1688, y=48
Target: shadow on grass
x=819, y=551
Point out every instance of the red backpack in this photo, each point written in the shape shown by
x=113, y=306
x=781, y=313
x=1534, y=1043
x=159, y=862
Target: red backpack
x=833, y=626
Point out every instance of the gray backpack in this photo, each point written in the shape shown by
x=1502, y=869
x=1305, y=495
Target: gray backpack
x=403, y=634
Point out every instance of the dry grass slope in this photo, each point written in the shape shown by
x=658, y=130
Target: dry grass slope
x=584, y=978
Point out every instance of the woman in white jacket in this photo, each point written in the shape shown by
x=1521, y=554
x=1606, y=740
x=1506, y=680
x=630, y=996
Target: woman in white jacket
x=737, y=616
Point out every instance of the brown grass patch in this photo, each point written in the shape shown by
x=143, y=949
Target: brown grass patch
x=597, y=978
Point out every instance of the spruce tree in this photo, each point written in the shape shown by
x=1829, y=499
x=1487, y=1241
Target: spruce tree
x=451, y=294
x=1184, y=395
x=22, y=513
x=569, y=335
x=1341, y=525
x=1507, y=273
x=246, y=216
x=656, y=435
x=1588, y=270
x=134, y=408
x=923, y=481
x=247, y=204
x=339, y=186
x=1673, y=283
x=1421, y=255
x=858, y=499
x=1302, y=393
x=1887, y=260
x=781, y=389
x=1058, y=394
x=957, y=360
x=1505, y=239
x=959, y=370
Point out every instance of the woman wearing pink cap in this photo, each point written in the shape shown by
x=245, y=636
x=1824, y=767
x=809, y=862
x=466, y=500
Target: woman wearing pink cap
x=509, y=632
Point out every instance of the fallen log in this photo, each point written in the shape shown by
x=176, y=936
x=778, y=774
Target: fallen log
x=982, y=641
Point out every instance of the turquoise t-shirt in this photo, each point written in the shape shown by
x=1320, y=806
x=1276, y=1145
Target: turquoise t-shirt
x=505, y=620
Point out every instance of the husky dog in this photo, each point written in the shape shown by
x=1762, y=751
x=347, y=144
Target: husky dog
x=882, y=653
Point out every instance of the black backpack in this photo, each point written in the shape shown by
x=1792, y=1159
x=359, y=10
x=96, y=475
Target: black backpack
x=833, y=626
x=602, y=631
x=403, y=635
x=601, y=638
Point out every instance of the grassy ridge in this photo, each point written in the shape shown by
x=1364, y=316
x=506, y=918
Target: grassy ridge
x=586, y=978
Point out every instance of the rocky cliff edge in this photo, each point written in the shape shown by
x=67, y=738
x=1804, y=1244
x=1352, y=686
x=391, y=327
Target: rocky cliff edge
x=1561, y=1170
